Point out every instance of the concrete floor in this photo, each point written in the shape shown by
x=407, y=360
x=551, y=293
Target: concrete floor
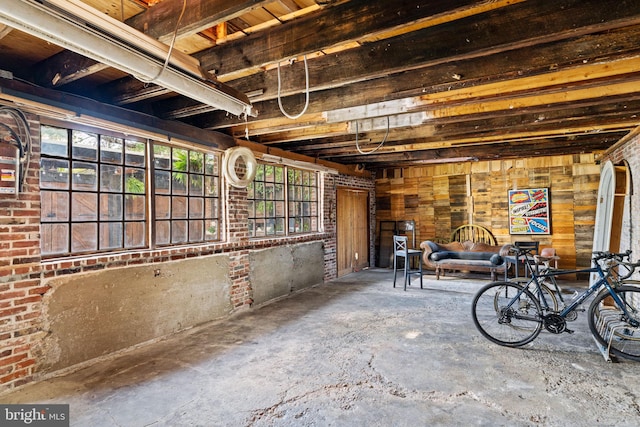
x=353, y=352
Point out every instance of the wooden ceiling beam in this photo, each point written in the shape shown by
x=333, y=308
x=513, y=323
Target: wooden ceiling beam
x=400, y=54
x=326, y=28
x=618, y=115
x=537, y=21
x=622, y=112
x=458, y=108
x=506, y=150
x=348, y=82
x=160, y=20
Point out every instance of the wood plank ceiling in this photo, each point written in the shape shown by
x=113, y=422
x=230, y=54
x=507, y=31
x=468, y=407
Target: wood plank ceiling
x=436, y=81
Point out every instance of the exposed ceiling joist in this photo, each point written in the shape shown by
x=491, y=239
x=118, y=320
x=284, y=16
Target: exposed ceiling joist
x=456, y=80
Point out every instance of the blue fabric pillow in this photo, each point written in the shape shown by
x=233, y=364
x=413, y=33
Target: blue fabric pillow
x=496, y=259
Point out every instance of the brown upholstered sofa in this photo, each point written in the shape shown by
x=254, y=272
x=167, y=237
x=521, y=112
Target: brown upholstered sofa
x=465, y=256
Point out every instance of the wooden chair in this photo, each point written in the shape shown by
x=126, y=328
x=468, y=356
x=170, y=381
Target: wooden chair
x=401, y=250
x=473, y=233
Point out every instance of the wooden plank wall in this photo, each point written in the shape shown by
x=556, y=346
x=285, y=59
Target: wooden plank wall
x=442, y=197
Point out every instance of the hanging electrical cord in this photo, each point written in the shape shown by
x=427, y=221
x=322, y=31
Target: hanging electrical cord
x=173, y=41
x=21, y=138
x=379, y=145
x=306, y=104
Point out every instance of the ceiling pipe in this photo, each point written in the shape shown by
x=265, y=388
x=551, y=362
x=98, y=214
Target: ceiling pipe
x=99, y=41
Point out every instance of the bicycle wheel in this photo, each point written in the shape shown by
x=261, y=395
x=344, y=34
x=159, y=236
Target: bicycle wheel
x=617, y=331
x=546, y=297
x=507, y=314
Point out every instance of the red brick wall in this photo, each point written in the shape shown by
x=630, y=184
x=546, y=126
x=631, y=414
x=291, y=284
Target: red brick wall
x=20, y=284
x=23, y=275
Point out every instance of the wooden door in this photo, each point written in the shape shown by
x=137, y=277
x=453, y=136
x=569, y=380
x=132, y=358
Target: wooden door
x=352, y=218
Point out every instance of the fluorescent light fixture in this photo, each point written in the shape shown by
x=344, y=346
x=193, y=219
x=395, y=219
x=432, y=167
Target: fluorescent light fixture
x=105, y=40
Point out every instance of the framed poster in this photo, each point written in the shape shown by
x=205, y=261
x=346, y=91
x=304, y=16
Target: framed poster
x=529, y=211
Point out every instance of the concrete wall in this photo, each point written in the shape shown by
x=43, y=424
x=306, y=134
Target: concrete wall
x=93, y=314
x=277, y=271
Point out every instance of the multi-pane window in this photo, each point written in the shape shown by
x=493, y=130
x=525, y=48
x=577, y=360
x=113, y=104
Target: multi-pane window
x=266, y=194
x=282, y=201
x=92, y=192
x=95, y=196
x=303, y=201
x=186, y=195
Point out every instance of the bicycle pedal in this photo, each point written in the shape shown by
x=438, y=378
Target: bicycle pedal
x=569, y=331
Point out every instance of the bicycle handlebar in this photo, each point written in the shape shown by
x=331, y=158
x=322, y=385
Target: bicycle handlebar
x=618, y=261
x=617, y=258
x=598, y=255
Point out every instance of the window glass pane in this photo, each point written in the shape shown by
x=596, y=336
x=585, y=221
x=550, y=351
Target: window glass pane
x=163, y=231
x=163, y=207
x=259, y=230
x=211, y=186
x=211, y=208
x=111, y=207
x=179, y=207
x=196, y=208
x=196, y=231
x=54, y=239
x=161, y=157
x=268, y=173
x=259, y=190
x=54, y=141
x=84, y=145
x=178, y=231
x=180, y=160
x=211, y=164
x=134, y=207
x=134, y=236
x=54, y=206
x=84, y=176
x=84, y=237
x=196, y=162
x=195, y=185
x=84, y=206
x=111, y=235
x=211, y=233
x=111, y=149
x=135, y=181
x=134, y=153
x=179, y=183
x=162, y=182
x=111, y=178
x=54, y=174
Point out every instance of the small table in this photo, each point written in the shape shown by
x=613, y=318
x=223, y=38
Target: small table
x=515, y=260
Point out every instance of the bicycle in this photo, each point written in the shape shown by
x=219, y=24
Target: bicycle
x=542, y=283
x=511, y=315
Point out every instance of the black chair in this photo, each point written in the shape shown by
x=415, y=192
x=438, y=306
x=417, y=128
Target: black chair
x=401, y=250
x=532, y=248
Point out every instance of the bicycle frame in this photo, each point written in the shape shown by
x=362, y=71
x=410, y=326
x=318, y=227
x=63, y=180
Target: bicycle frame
x=602, y=281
